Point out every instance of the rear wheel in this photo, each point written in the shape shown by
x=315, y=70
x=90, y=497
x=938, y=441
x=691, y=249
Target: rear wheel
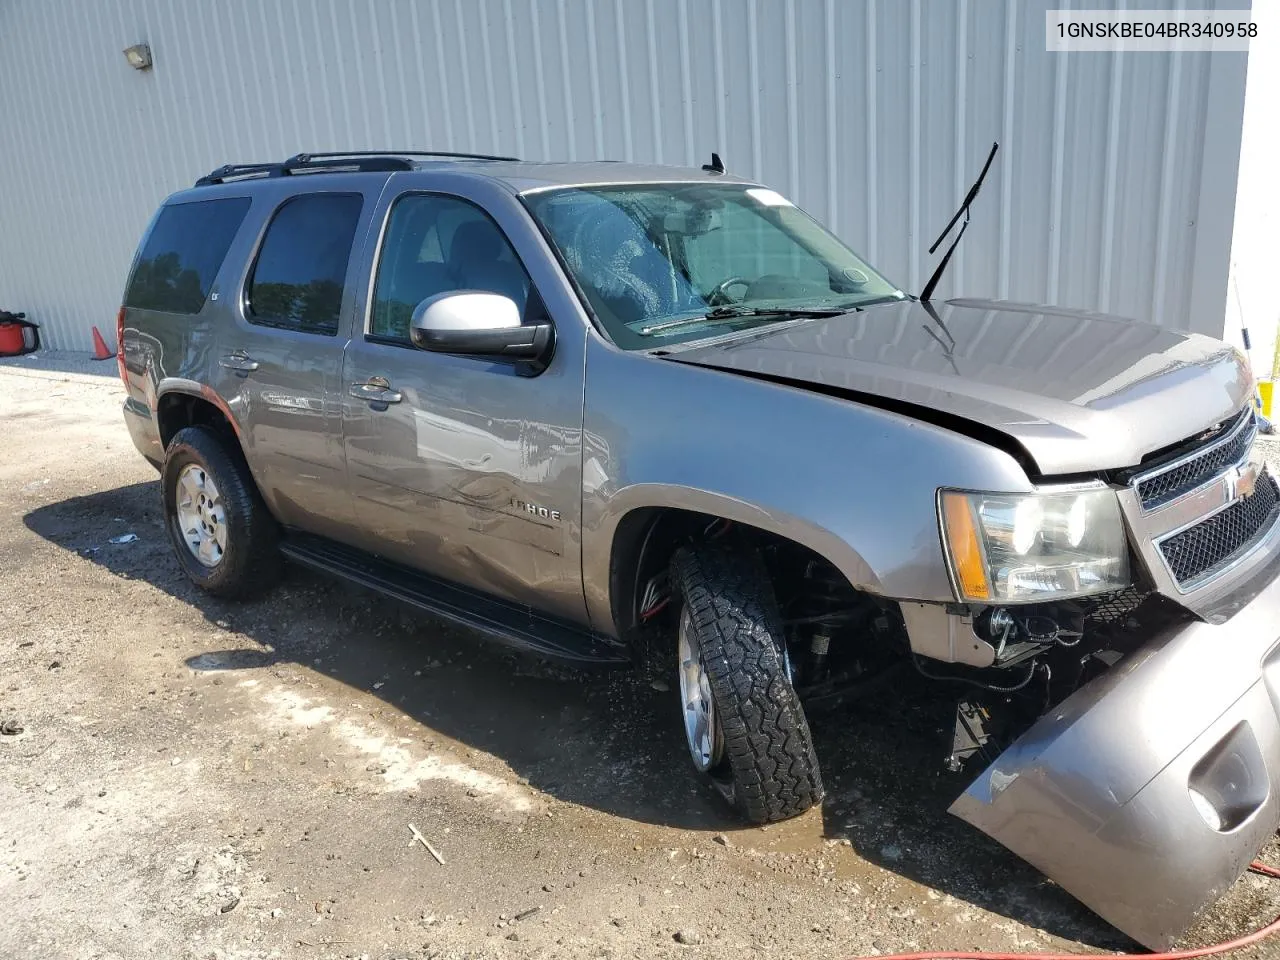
x=222, y=533
x=744, y=726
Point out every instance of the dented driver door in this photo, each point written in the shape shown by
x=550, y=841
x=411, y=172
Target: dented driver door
x=459, y=466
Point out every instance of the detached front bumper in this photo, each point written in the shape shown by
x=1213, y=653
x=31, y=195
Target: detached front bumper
x=1147, y=792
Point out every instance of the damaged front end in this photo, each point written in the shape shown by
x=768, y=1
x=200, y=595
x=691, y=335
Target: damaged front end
x=1147, y=792
x=1147, y=789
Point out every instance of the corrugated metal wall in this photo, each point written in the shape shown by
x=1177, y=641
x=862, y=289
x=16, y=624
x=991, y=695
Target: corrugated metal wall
x=1114, y=189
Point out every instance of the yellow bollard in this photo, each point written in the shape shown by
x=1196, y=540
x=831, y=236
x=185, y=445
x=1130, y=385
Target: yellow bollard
x=1264, y=392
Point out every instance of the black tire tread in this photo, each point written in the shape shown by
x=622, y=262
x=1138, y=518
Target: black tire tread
x=768, y=746
x=251, y=563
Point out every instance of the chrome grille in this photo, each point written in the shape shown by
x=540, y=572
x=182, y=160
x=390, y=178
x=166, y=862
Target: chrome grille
x=1212, y=544
x=1229, y=446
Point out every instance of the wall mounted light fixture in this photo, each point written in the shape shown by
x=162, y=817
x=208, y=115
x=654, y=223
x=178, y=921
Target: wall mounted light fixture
x=139, y=56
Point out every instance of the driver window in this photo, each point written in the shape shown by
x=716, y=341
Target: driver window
x=435, y=244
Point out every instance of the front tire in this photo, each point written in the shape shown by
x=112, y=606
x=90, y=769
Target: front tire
x=744, y=725
x=222, y=533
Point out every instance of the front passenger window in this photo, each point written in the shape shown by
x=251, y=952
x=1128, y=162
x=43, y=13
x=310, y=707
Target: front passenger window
x=435, y=244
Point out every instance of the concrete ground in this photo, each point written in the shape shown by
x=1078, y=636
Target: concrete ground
x=201, y=779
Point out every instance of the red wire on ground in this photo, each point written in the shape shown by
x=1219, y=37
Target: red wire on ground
x=1238, y=944
x=1262, y=868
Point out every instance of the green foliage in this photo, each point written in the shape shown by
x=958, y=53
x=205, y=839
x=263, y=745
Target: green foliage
x=162, y=284
x=313, y=307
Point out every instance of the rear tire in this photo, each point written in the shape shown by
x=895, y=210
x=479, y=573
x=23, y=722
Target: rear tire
x=760, y=755
x=222, y=533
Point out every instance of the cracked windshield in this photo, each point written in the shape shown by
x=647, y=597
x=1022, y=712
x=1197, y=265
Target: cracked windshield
x=666, y=263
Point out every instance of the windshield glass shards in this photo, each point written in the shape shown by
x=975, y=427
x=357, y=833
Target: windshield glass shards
x=664, y=263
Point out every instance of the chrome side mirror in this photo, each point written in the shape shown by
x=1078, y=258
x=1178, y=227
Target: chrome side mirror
x=479, y=324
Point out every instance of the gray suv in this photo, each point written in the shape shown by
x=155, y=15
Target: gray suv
x=598, y=409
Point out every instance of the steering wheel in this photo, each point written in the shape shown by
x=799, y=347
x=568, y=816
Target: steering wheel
x=719, y=295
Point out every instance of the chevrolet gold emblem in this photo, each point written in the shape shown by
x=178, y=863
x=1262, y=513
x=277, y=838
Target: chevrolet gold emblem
x=1244, y=481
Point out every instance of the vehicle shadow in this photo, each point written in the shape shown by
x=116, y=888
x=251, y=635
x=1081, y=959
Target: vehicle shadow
x=608, y=740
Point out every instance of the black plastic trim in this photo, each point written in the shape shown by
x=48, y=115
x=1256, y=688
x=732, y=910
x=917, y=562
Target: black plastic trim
x=309, y=157
x=527, y=342
x=515, y=625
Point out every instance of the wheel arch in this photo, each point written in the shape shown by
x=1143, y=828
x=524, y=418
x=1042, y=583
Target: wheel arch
x=648, y=531
x=186, y=403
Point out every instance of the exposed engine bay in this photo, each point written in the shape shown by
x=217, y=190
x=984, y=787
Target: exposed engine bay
x=1043, y=654
x=844, y=645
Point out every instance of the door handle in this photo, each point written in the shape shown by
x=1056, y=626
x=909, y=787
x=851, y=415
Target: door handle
x=239, y=361
x=375, y=390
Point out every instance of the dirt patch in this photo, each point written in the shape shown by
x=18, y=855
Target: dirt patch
x=203, y=779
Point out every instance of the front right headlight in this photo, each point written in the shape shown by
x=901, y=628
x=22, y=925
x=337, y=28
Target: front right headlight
x=1023, y=548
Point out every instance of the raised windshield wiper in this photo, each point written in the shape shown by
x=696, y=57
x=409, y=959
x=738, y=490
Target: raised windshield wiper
x=738, y=311
x=927, y=292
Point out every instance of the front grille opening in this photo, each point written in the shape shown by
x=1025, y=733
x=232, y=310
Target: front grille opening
x=1115, y=608
x=1162, y=487
x=1200, y=551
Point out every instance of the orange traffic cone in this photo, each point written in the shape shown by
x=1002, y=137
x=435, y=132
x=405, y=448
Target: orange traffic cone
x=100, y=351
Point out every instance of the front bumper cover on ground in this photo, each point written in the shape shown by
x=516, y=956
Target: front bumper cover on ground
x=1147, y=792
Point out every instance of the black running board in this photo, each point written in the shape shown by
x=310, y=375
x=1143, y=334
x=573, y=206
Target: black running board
x=518, y=626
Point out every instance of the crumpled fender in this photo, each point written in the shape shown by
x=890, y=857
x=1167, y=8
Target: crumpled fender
x=1147, y=792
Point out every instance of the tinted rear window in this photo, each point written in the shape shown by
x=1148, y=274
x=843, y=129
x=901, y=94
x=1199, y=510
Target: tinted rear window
x=298, y=279
x=183, y=254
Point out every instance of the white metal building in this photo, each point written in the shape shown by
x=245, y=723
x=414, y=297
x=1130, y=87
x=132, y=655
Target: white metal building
x=1114, y=189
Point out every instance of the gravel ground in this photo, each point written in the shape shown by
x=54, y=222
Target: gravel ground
x=212, y=780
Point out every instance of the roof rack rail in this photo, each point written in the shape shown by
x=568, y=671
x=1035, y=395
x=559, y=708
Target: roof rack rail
x=405, y=153
x=358, y=160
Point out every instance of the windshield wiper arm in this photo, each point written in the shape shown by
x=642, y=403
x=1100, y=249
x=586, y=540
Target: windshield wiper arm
x=927, y=292
x=736, y=310
x=733, y=312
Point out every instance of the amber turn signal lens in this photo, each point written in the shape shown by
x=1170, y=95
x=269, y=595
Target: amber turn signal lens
x=962, y=542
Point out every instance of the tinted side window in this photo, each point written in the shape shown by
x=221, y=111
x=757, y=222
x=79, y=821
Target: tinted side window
x=436, y=244
x=298, y=278
x=183, y=254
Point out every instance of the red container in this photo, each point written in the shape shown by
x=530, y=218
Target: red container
x=18, y=337
x=11, y=339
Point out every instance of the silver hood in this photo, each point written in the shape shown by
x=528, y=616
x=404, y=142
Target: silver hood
x=1078, y=391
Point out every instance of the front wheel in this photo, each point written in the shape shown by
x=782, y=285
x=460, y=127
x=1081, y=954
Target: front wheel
x=744, y=726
